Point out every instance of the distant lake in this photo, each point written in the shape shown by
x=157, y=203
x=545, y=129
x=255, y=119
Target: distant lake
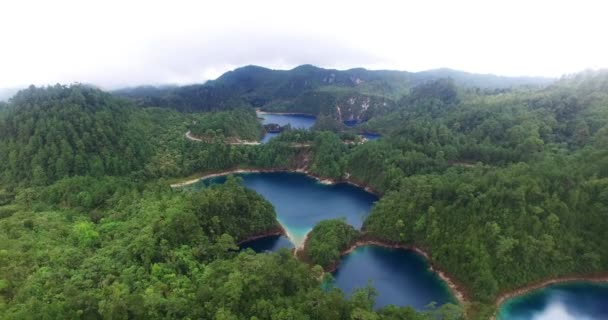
x=370, y=136
x=301, y=202
x=568, y=301
x=401, y=277
x=296, y=122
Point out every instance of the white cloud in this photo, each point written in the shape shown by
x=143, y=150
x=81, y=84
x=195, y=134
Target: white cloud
x=558, y=311
x=114, y=43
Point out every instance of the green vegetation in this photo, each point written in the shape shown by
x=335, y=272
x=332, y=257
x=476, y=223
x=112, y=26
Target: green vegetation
x=109, y=248
x=502, y=186
x=327, y=240
x=241, y=124
x=60, y=131
x=358, y=94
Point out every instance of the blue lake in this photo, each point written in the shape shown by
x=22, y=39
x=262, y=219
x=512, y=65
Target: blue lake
x=267, y=244
x=296, y=122
x=569, y=301
x=401, y=277
x=301, y=202
x=370, y=136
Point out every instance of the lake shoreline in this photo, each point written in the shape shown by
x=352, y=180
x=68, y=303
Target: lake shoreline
x=596, y=278
x=276, y=231
x=457, y=290
x=325, y=181
x=260, y=112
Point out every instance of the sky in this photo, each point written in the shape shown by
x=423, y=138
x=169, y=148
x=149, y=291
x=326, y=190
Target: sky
x=114, y=44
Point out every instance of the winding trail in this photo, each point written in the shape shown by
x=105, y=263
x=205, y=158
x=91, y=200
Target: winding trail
x=191, y=137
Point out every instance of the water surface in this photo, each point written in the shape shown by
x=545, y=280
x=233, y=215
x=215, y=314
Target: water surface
x=268, y=244
x=401, y=277
x=568, y=301
x=301, y=202
x=296, y=122
x=269, y=136
x=370, y=136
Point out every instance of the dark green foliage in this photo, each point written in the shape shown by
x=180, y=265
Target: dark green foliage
x=328, y=156
x=241, y=124
x=61, y=131
x=442, y=89
x=156, y=254
x=359, y=93
x=327, y=240
x=502, y=188
x=502, y=228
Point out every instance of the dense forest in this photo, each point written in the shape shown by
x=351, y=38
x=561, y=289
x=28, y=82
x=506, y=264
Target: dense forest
x=239, y=124
x=56, y=132
x=502, y=185
x=327, y=240
x=347, y=95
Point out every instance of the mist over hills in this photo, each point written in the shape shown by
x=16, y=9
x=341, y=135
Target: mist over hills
x=353, y=94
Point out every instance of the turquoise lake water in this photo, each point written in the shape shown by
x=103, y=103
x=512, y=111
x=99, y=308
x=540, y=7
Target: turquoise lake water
x=569, y=301
x=301, y=202
x=400, y=276
x=296, y=122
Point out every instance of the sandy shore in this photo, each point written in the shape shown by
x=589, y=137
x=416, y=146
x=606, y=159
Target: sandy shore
x=301, y=246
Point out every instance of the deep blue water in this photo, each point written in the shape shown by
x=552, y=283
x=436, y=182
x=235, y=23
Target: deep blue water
x=570, y=301
x=370, y=136
x=272, y=243
x=301, y=202
x=350, y=123
x=401, y=277
x=296, y=122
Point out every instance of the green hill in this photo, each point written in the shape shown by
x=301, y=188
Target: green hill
x=52, y=132
x=354, y=94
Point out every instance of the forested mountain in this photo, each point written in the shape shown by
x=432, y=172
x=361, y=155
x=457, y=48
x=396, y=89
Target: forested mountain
x=355, y=94
x=502, y=187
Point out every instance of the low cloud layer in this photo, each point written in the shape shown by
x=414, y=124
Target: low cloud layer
x=118, y=43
